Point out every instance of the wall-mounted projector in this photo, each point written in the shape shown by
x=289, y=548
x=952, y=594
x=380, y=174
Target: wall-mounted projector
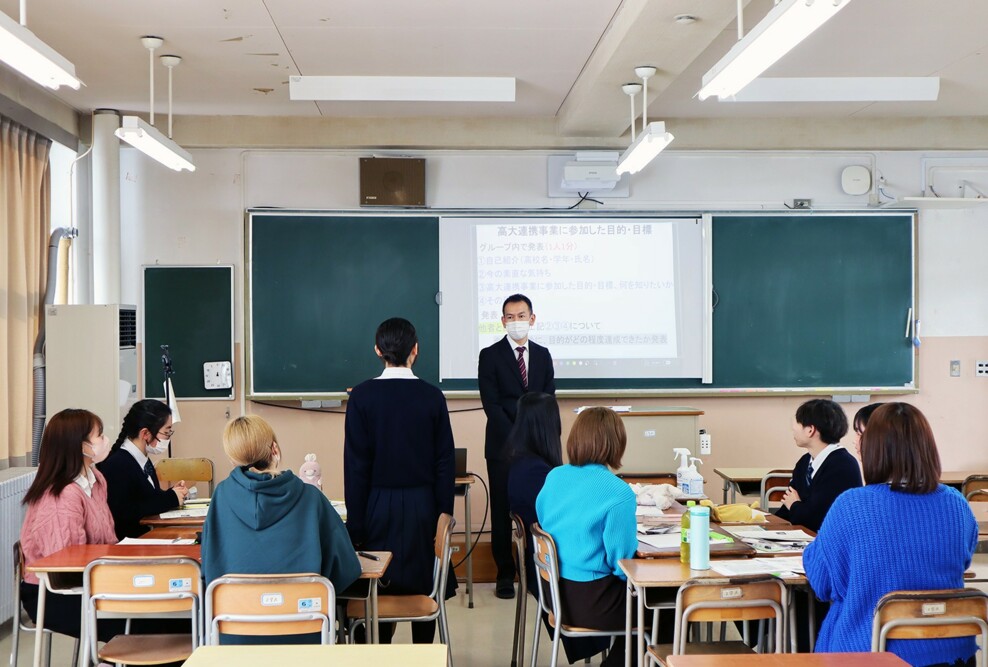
x=587, y=171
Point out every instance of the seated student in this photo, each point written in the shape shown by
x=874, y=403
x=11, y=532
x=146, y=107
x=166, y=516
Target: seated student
x=860, y=422
x=66, y=505
x=863, y=550
x=132, y=485
x=264, y=520
x=590, y=513
x=825, y=471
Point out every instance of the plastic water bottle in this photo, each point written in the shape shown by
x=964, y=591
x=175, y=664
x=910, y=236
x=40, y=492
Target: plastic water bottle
x=700, y=538
x=684, y=538
x=193, y=493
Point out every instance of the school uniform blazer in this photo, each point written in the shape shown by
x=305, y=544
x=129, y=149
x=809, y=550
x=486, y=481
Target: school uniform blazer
x=838, y=473
x=500, y=388
x=130, y=496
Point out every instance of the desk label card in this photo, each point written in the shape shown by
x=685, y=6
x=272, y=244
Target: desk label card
x=143, y=580
x=309, y=604
x=272, y=600
x=179, y=585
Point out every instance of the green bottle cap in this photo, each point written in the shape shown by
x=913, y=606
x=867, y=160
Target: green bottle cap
x=690, y=503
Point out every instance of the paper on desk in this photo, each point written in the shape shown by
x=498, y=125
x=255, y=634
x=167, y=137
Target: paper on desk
x=132, y=541
x=669, y=541
x=757, y=533
x=615, y=408
x=650, y=510
x=780, y=567
x=191, y=513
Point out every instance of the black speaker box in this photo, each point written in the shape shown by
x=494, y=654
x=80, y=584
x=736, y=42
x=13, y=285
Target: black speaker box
x=392, y=181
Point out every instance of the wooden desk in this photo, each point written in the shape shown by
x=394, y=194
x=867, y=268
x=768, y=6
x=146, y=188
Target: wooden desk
x=172, y=533
x=341, y=655
x=788, y=660
x=155, y=521
x=653, y=432
x=465, y=483
x=746, y=481
x=665, y=573
x=980, y=510
x=74, y=559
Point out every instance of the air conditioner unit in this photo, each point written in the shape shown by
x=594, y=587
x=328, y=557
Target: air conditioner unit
x=91, y=361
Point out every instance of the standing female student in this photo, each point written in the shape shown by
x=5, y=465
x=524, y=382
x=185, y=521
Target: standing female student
x=398, y=468
x=864, y=550
x=132, y=484
x=66, y=505
x=590, y=513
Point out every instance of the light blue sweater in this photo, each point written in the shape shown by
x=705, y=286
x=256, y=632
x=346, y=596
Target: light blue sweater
x=874, y=541
x=590, y=513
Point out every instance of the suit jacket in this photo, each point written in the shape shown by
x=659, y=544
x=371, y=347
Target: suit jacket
x=500, y=388
x=838, y=473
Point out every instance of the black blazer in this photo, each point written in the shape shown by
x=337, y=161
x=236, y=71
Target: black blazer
x=838, y=473
x=500, y=388
x=130, y=496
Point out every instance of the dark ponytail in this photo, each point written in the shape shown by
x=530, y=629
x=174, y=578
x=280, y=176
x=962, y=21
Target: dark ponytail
x=149, y=414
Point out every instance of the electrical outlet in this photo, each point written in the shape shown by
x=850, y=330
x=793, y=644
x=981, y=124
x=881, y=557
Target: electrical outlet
x=982, y=368
x=802, y=203
x=955, y=368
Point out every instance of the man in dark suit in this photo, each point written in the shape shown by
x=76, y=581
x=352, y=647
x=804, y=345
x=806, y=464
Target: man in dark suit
x=507, y=369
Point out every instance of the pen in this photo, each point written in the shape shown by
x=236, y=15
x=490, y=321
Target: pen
x=367, y=555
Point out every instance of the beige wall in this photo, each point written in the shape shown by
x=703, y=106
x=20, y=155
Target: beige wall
x=745, y=431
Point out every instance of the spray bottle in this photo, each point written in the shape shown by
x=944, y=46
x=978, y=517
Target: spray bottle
x=683, y=467
x=692, y=479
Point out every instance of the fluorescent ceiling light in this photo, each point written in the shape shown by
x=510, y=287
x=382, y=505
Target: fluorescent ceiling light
x=154, y=144
x=650, y=142
x=840, y=89
x=22, y=50
x=403, y=88
x=786, y=25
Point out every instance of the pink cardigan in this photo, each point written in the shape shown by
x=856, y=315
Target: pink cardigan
x=53, y=523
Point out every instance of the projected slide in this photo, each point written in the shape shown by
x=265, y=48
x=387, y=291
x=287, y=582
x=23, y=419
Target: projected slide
x=613, y=297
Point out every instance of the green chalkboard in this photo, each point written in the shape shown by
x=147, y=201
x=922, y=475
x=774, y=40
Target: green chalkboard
x=319, y=285
x=802, y=301
x=190, y=309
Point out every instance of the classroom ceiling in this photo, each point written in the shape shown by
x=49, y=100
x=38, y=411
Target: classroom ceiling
x=569, y=56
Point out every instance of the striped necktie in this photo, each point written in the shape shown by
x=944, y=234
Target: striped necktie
x=149, y=471
x=521, y=366
x=809, y=474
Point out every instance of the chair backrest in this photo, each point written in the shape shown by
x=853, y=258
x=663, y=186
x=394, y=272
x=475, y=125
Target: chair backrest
x=141, y=586
x=518, y=539
x=960, y=612
x=650, y=478
x=191, y=470
x=736, y=599
x=975, y=488
x=269, y=605
x=546, y=560
x=773, y=486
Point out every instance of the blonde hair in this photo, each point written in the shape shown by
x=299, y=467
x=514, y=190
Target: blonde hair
x=247, y=442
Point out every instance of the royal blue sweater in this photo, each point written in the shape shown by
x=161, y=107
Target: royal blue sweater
x=590, y=513
x=875, y=541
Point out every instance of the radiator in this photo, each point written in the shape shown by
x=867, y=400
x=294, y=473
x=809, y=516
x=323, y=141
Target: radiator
x=14, y=483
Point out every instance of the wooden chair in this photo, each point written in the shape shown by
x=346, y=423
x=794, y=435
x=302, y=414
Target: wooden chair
x=650, y=478
x=961, y=612
x=138, y=587
x=191, y=470
x=18, y=624
x=975, y=488
x=400, y=608
x=270, y=605
x=774, y=485
x=521, y=600
x=546, y=559
x=711, y=600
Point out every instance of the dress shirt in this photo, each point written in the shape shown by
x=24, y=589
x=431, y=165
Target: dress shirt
x=525, y=355
x=817, y=461
x=86, y=481
x=396, y=373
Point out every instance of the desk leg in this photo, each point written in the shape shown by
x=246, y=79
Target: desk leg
x=39, y=631
x=641, y=627
x=468, y=532
x=84, y=650
x=374, y=622
x=727, y=486
x=628, y=594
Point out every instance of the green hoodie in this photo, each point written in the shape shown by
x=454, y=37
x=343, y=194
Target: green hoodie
x=259, y=524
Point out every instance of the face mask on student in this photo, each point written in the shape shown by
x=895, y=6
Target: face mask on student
x=101, y=448
x=160, y=448
x=518, y=330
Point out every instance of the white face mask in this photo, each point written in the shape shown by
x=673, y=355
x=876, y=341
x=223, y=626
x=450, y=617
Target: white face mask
x=101, y=449
x=160, y=448
x=518, y=330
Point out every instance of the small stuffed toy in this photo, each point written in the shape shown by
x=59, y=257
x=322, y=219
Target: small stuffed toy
x=659, y=495
x=311, y=471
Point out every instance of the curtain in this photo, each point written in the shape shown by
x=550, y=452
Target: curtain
x=25, y=219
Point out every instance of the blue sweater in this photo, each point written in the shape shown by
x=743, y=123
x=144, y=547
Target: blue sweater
x=590, y=513
x=875, y=541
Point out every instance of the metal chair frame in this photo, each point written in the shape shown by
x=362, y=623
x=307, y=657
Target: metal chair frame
x=769, y=490
x=518, y=537
x=18, y=626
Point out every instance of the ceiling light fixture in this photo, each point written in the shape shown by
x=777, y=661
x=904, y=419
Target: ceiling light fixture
x=21, y=49
x=653, y=138
x=144, y=136
x=787, y=24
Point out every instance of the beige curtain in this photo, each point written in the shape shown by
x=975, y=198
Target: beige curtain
x=25, y=219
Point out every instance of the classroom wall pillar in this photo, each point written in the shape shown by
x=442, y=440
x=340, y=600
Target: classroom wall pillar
x=106, y=207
